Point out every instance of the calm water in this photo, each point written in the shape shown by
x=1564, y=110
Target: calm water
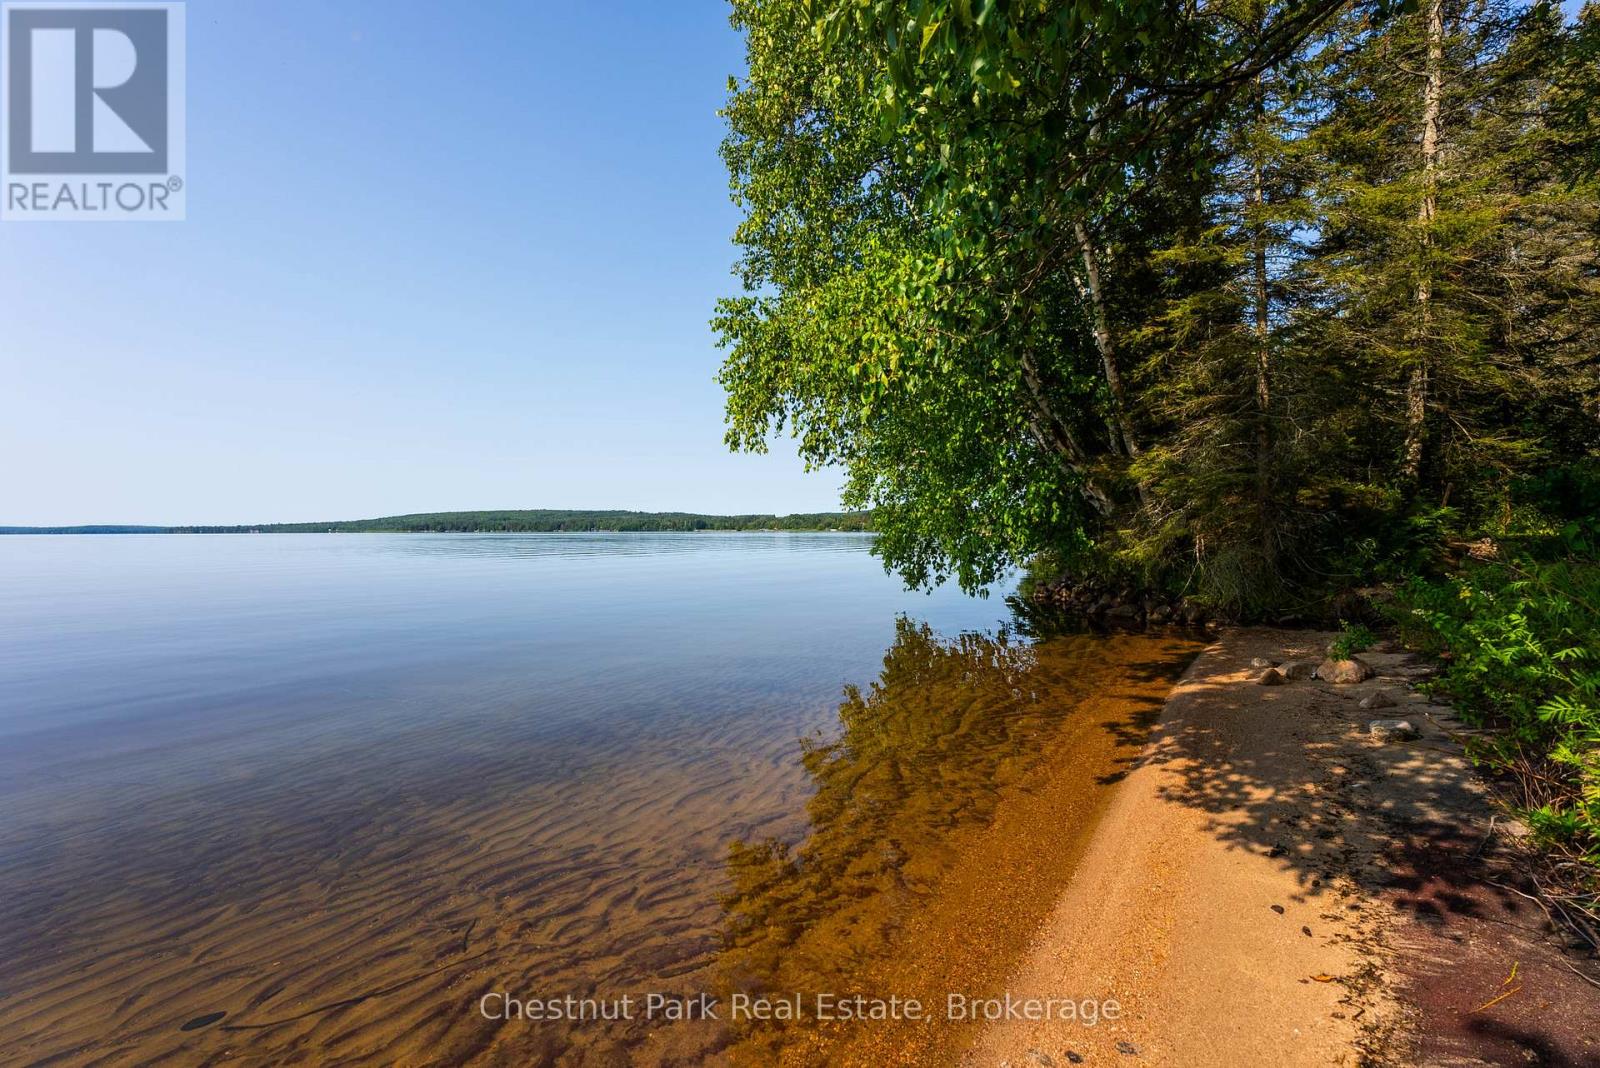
x=310, y=796
x=190, y=659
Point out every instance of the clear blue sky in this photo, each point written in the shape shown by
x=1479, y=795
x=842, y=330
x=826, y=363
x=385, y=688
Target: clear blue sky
x=437, y=256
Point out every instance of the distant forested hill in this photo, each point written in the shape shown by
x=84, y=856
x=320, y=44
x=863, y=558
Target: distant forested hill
x=98, y=528
x=524, y=521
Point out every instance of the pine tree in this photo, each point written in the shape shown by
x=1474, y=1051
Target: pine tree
x=1433, y=154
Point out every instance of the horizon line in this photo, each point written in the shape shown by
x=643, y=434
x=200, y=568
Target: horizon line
x=459, y=515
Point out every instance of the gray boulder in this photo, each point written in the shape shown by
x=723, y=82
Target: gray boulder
x=1377, y=699
x=1127, y=615
x=1391, y=730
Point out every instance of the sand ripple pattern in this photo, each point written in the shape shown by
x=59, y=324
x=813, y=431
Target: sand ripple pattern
x=350, y=915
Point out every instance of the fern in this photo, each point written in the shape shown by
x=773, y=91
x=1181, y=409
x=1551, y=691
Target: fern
x=1520, y=645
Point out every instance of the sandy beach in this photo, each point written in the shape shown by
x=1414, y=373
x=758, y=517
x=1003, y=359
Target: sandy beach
x=1272, y=886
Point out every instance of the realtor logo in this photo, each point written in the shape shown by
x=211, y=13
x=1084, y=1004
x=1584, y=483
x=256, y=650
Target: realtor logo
x=92, y=116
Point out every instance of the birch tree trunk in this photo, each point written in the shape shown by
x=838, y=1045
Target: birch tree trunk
x=1121, y=436
x=1417, y=388
x=1263, y=327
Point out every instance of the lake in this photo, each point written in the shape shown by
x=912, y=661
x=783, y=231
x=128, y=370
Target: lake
x=278, y=798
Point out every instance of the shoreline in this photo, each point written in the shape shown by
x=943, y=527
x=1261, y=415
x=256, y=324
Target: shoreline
x=1272, y=886
x=946, y=926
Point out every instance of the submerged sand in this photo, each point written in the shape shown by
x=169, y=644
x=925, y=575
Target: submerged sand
x=353, y=910
x=1241, y=871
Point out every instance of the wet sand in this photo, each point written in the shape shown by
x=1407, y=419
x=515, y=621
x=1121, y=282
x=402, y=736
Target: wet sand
x=954, y=900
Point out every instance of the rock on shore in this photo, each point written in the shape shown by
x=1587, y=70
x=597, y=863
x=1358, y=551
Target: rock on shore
x=1110, y=605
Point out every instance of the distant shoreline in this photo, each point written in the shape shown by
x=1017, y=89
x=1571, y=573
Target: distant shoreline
x=531, y=521
x=53, y=532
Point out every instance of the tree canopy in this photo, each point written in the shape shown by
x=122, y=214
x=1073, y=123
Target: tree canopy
x=1237, y=296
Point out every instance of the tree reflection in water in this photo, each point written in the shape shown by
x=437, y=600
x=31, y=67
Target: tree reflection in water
x=952, y=731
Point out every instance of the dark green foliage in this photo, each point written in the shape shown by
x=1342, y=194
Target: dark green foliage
x=1575, y=102
x=103, y=528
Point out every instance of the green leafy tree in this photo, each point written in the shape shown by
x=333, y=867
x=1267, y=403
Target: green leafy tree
x=931, y=196
x=1241, y=297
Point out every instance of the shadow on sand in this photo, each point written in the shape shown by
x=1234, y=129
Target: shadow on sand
x=1290, y=772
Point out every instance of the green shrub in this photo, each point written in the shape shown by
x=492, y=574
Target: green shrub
x=1520, y=645
x=1352, y=639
